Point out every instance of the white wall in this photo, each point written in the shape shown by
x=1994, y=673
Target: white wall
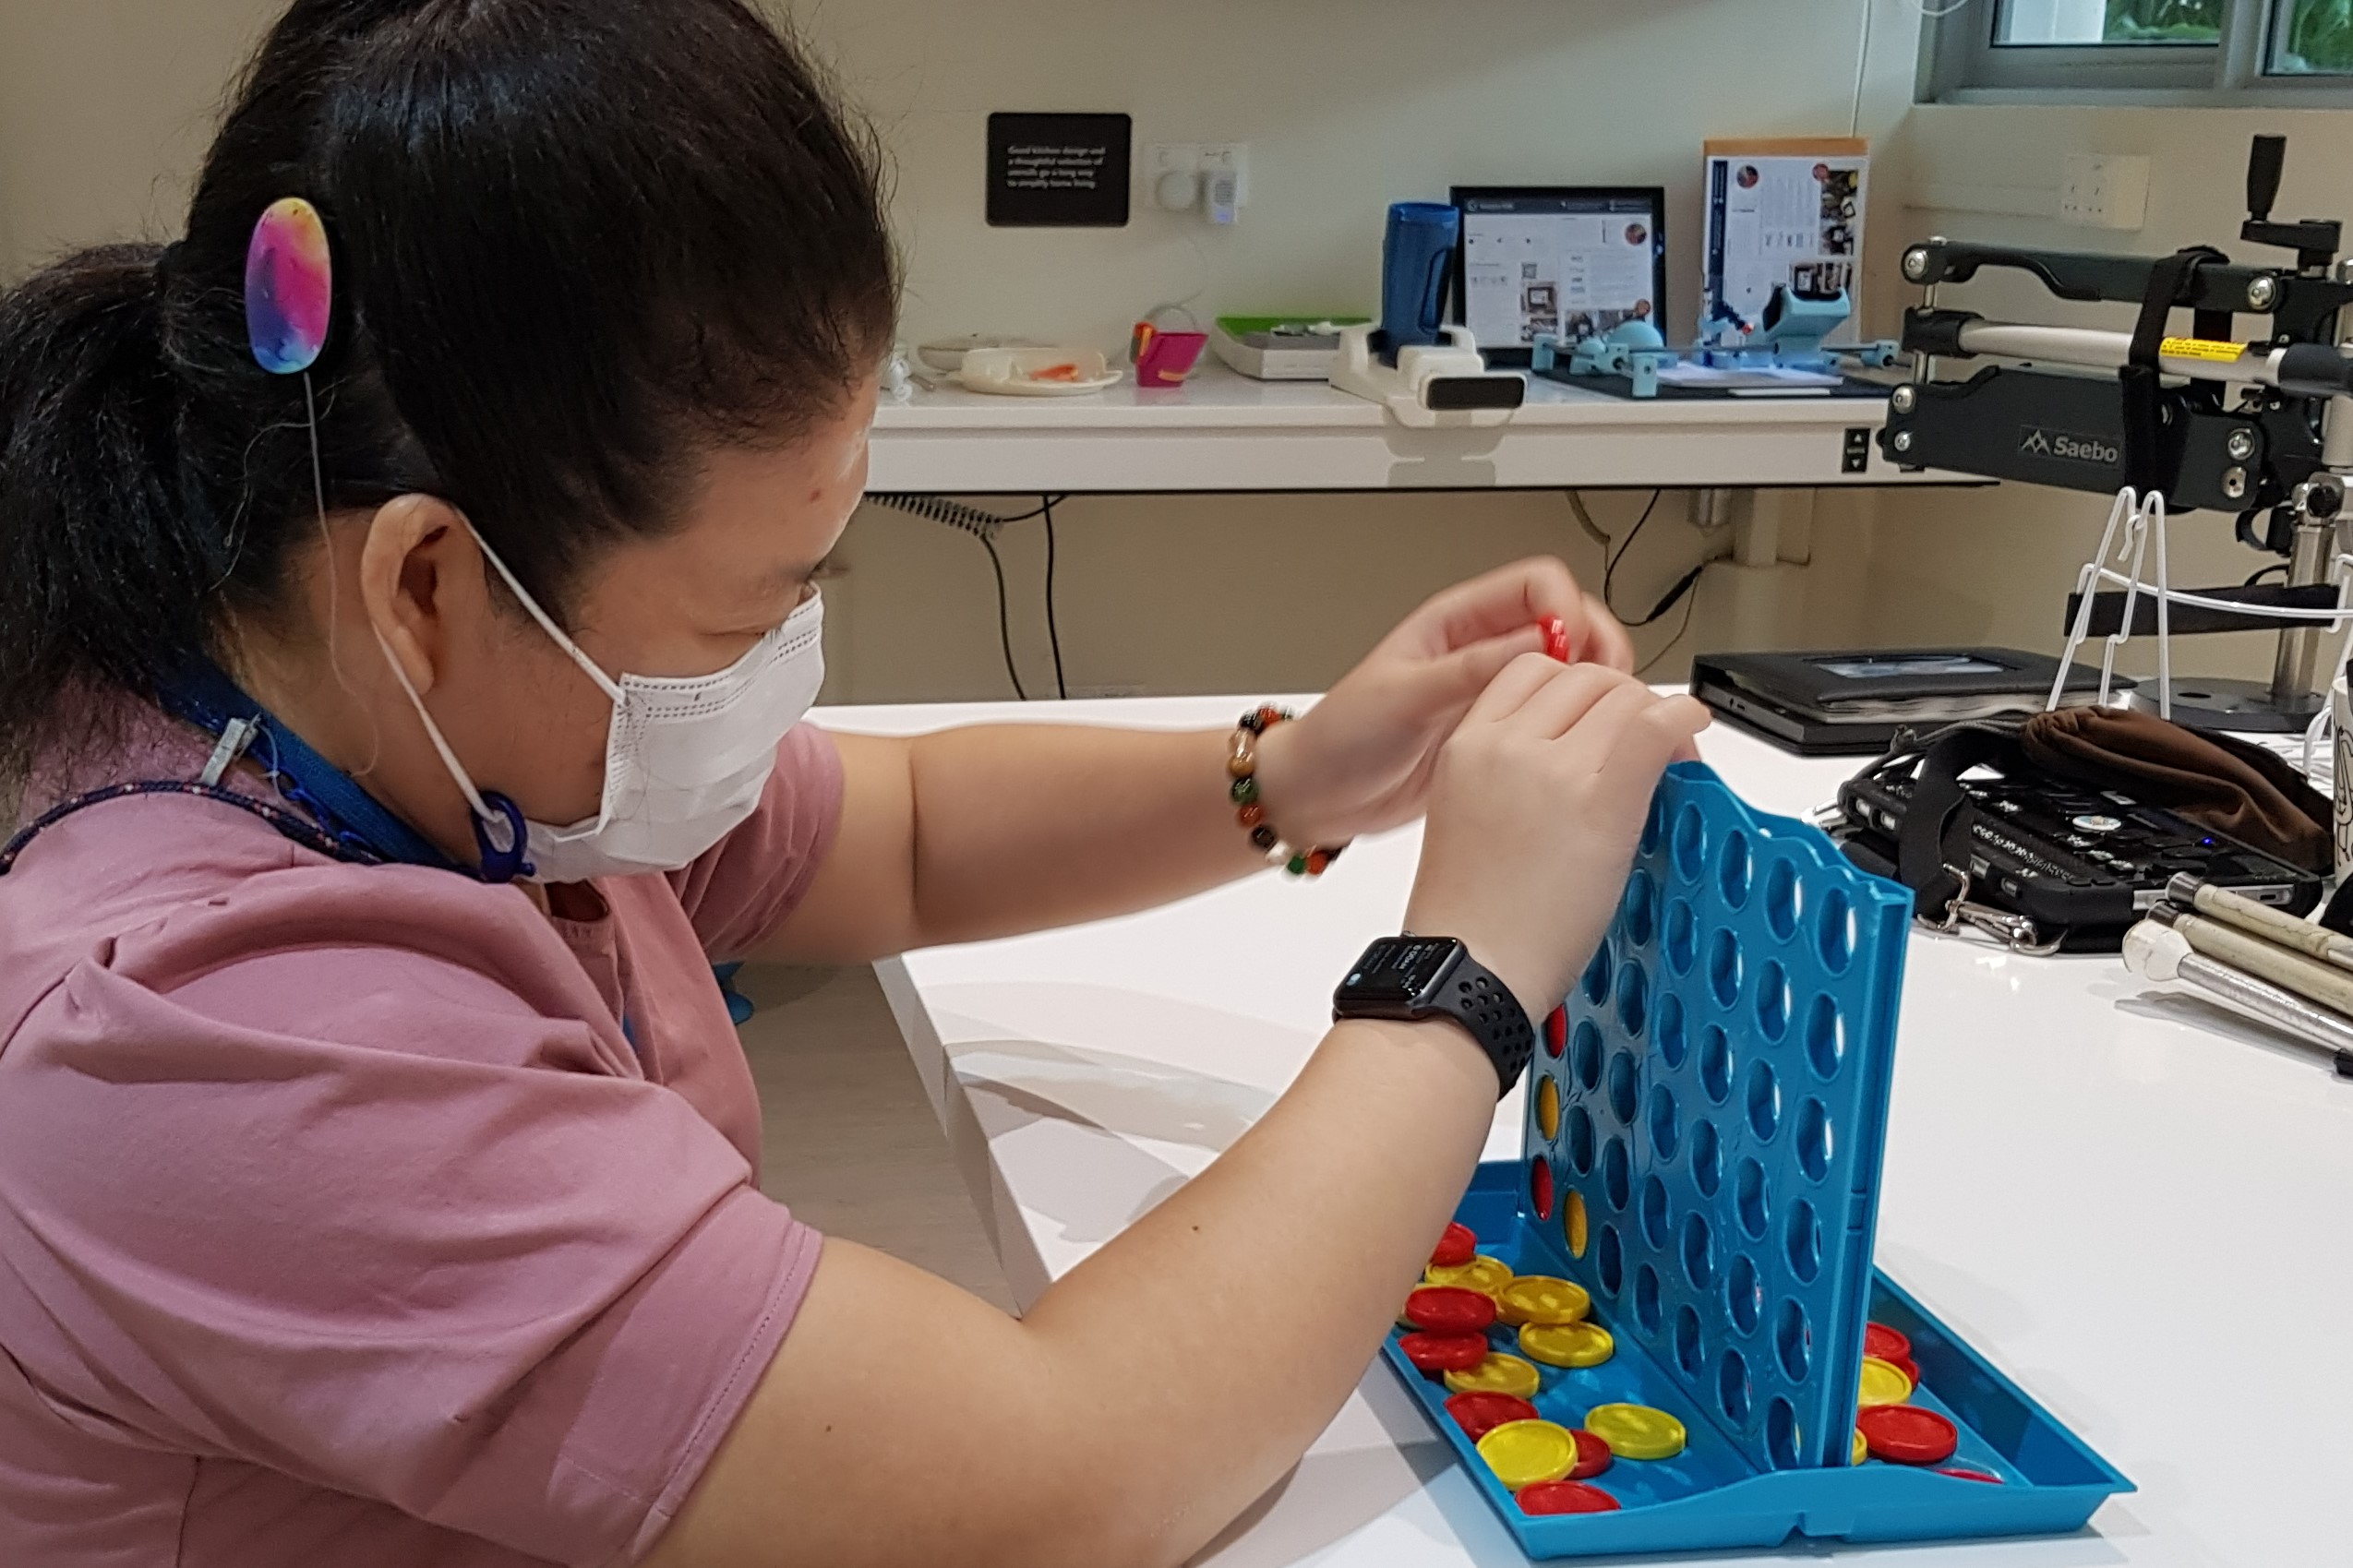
x=1996, y=566
x=1347, y=104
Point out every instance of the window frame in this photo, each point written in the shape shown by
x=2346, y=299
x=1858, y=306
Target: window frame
x=1960, y=63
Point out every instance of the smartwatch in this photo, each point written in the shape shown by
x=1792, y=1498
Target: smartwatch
x=1410, y=978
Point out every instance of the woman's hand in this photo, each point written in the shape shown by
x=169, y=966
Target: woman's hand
x=1363, y=759
x=1534, y=811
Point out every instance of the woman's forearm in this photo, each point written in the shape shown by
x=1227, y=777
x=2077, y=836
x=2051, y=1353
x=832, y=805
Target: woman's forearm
x=1017, y=828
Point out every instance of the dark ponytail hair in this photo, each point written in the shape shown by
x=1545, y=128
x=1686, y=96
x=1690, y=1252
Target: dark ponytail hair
x=578, y=244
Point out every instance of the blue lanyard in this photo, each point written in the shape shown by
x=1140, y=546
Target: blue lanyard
x=203, y=695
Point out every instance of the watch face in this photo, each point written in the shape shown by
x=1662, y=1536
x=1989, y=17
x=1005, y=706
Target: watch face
x=1398, y=969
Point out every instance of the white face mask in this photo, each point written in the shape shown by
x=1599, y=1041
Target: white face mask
x=685, y=759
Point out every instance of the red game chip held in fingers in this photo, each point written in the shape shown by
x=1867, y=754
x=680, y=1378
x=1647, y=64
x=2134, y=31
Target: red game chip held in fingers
x=1566, y=1497
x=1887, y=1344
x=1445, y=1352
x=1905, y=1434
x=1449, y=1309
x=1478, y=1414
x=1593, y=1456
x=1555, y=632
x=1556, y=1031
x=1456, y=1248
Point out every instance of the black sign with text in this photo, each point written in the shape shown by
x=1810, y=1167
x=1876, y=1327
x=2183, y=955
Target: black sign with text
x=1059, y=171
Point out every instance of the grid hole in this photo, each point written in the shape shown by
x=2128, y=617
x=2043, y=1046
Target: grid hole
x=1834, y=931
x=1732, y=872
x=1633, y=997
x=1654, y=823
x=1666, y=1123
x=1724, y=967
x=1751, y=1205
x=1646, y=1300
x=1690, y=843
x=1733, y=1391
x=1825, y=1038
x=1764, y=1101
x=1699, y=1251
x=1585, y=1054
x=1715, y=1064
x=1580, y=1139
x=1690, y=1350
x=1539, y=1186
x=1784, y=900
x=1682, y=937
x=1782, y=1441
x=1639, y=908
x=1666, y=1032
x=1624, y=1084
x=1706, y=1157
x=1597, y=976
x=1609, y=1261
x=1654, y=1211
x=1802, y=1242
x=1743, y=1294
x=1813, y=1139
x=1772, y=1001
x=1618, y=1175
x=1794, y=1341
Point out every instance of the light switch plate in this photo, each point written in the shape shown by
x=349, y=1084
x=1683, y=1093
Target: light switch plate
x=2104, y=190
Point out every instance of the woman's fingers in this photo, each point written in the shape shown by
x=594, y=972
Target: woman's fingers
x=1499, y=601
x=1520, y=680
x=1607, y=640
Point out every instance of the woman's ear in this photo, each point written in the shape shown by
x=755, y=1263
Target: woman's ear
x=420, y=571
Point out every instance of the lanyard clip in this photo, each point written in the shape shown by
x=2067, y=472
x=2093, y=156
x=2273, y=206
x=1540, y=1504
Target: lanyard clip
x=2014, y=931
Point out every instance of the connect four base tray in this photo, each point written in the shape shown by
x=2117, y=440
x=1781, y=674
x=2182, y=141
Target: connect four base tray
x=1712, y=1496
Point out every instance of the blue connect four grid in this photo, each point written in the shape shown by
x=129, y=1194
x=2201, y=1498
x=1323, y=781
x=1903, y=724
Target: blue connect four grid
x=1704, y=1155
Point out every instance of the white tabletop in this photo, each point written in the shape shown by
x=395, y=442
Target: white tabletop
x=2125, y=1198
x=1224, y=431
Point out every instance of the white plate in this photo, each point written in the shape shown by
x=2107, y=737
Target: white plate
x=1025, y=387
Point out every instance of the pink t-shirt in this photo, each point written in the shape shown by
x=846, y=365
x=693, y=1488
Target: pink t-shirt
x=341, y=1221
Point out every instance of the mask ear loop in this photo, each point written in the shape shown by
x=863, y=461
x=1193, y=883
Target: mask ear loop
x=290, y=301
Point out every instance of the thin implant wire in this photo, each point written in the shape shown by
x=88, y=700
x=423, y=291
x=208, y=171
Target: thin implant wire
x=326, y=537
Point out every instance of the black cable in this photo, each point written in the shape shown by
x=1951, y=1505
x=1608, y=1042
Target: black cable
x=1004, y=615
x=1691, y=605
x=1609, y=568
x=2264, y=572
x=1053, y=627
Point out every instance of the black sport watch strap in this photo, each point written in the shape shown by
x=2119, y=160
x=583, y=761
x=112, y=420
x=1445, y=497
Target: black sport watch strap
x=1410, y=978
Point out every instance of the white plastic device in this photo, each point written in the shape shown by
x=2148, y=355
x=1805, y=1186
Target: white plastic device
x=1403, y=387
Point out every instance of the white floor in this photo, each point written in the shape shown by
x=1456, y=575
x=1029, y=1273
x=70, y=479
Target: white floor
x=850, y=1142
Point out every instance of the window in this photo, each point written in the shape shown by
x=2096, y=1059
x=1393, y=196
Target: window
x=2287, y=51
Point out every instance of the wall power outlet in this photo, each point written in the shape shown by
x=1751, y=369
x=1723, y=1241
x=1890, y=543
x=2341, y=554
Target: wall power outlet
x=2104, y=190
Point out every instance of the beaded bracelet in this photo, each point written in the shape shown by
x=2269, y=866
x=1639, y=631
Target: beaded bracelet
x=1242, y=767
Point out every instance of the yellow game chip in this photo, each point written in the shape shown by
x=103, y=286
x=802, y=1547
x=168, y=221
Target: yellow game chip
x=1573, y=1222
x=1862, y=1448
x=1523, y=1453
x=1498, y=1373
x=1486, y=1275
x=1635, y=1431
x=1547, y=1109
x=1882, y=1382
x=1539, y=1298
x=1566, y=1344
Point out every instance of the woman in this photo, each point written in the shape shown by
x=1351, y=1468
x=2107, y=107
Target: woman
x=375, y=1157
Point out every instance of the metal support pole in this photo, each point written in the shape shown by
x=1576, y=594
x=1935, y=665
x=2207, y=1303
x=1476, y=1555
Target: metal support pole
x=2296, y=673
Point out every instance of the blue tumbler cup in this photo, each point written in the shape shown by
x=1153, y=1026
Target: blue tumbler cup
x=1414, y=258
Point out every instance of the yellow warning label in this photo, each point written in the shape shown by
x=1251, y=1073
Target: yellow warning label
x=2201, y=348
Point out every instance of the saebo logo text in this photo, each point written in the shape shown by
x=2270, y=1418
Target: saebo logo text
x=2067, y=446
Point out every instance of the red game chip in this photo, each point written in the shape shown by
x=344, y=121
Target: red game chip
x=1449, y=1309
x=1566, y=1497
x=1555, y=632
x=1963, y=1473
x=1887, y=1345
x=1593, y=1456
x=1905, y=1365
x=1540, y=1186
x=1556, y=1031
x=1905, y=1434
x=1478, y=1414
x=1454, y=1352
x=1456, y=1248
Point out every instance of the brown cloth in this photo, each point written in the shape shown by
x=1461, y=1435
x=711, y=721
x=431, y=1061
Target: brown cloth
x=2227, y=784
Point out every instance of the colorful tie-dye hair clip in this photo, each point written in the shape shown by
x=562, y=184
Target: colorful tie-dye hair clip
x=290, y=291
